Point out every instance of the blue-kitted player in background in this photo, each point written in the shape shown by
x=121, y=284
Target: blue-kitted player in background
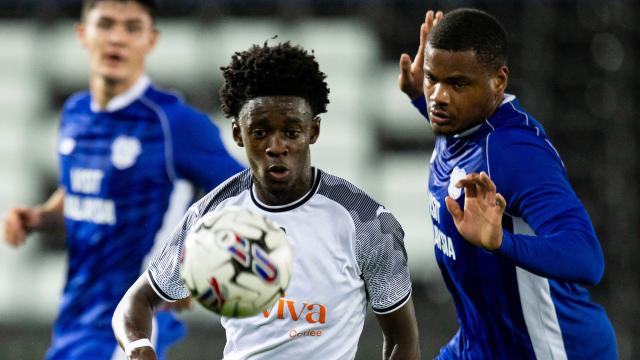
x=514, y=244
x=129, y=155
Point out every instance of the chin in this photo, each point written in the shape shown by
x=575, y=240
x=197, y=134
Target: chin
x=438, y=130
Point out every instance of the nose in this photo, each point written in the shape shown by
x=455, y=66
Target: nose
x=439, y=94
x=277, y=146
x=117, y=34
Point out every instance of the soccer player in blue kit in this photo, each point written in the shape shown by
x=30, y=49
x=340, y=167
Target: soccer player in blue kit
x=514, y=244
x=129, y=154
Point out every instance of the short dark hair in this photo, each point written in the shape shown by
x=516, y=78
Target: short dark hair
x=280, y=70
x=471, y=29
x=150, y=5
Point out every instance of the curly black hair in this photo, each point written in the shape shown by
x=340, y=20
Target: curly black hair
x=279, y=70
x=472, y=29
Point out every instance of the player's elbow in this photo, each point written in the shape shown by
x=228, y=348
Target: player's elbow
x=596, y=270
x=593, y=264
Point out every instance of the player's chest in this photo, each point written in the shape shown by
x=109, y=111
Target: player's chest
x=446, y=169
x=99, y=156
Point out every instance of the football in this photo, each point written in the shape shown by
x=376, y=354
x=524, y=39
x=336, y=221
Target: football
x=235, y=262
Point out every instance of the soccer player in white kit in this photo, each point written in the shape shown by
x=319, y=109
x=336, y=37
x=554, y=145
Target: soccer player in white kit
x=348, y=249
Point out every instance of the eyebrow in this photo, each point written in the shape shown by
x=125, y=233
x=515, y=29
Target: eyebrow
x=113, y=19
x=449, y=78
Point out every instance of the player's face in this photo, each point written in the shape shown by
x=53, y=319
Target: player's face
x=276, y=132
x=460, y=92
x=118, y=36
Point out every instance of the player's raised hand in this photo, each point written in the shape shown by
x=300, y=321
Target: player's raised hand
x=481, y=221
x=18, y=223
x=143, y=353
x=411, y=75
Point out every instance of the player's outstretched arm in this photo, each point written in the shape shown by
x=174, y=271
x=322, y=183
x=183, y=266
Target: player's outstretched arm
x=411, y=75
x=19, y=222
x=132, y=319
x=400, y=330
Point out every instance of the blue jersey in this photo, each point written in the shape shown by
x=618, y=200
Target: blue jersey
x=526, y=300
x=126, y=172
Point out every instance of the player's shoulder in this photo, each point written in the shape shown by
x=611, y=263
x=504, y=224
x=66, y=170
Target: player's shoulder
x=232, y=187
x=80, y=100
x=513, y=126
x=173, y=105
x=349, y=196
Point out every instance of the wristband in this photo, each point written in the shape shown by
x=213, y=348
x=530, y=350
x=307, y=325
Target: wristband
x=137, y=344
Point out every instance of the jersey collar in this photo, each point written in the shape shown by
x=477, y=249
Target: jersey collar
x=505, y=100
x=126, y=98
x=292, y=205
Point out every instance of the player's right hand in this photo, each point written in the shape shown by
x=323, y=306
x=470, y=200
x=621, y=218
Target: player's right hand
x=143, y=353
x=411, y=75
x=19, y=222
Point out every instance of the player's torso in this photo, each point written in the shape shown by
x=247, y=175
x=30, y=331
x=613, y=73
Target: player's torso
x=483, y=285
x=113, y=167
x=322, y=313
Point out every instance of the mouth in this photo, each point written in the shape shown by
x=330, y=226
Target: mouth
x=113, y=58
x=438, y=117
x=278, y=172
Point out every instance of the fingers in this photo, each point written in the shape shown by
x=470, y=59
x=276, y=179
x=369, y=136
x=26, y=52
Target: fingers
x=405, y=70
x=418, y=61
x=454, y=209
x=439, y=15
x=14, y=231
x=424, y=31
x=501, y=202
x=478, y=185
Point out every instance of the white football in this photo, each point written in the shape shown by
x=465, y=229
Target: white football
x=235, y=262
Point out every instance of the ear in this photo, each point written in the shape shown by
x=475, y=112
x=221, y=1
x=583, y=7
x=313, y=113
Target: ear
x=315, y=130
x=81, y=32
x=155, y=35
x=237, y=133
x=500, y=80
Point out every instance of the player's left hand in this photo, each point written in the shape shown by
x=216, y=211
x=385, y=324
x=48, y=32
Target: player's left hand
x=481, y=221
x=411, y=77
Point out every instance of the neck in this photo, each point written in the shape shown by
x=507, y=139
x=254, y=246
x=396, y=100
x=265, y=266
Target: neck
x=276, y=197
x=104, y=89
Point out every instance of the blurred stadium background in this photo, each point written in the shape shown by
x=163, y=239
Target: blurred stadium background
x=573, y=65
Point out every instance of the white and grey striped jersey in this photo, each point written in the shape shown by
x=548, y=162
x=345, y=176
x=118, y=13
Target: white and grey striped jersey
x=347, y=249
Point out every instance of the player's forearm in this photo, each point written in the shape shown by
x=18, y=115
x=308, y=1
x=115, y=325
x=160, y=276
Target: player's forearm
x=132, y=319
x=401, y=351
x=569, y=255
x=51, y=213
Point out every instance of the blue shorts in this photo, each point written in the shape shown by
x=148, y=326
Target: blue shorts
x=100, y=343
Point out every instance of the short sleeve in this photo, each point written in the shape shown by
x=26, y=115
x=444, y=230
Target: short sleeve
x=383, y=261
x=163, y=272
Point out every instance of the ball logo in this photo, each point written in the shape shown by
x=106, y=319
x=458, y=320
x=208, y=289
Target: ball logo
x=213, y=297
x=66, y=146
x=262, y=266
x=125, y=151
x=456, y=175
x=239, y=250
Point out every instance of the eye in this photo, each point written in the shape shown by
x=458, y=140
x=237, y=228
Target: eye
x=292, y=133
x=430, y=79
x=134, y=28
x=460, y=85
x=104, y=24
x=258, y=133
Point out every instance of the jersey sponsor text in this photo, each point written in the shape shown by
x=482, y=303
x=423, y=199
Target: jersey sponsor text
x=96, y=210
